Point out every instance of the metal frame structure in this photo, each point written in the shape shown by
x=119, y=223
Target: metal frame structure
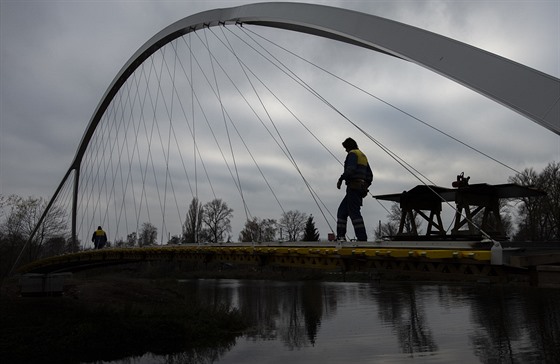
x=469, y=199
x=531, y=93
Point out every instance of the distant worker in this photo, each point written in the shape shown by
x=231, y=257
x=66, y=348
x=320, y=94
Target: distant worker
x=358, y=177
x=99, y=238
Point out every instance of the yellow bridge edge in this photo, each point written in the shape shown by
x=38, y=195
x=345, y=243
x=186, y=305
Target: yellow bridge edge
x=166, y=253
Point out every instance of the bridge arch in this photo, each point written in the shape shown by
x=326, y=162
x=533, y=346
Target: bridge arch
x=529, y=92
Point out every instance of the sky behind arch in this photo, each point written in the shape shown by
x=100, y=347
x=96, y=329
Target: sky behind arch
x=58, y=57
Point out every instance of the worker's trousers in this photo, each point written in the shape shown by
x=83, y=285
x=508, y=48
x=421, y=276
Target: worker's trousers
x=350, y=207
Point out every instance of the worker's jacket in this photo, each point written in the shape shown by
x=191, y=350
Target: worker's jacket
x=357, y=172
x=99, y=236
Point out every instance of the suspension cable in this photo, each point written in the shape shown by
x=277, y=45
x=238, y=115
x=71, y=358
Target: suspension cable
x=383, y=101
x=285, y=148
x=207, y=121
x=414, y=172
x=219, y=96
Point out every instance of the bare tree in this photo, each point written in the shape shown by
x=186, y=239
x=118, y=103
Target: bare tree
x=539, y=217
x=551, y=182
x=193, y=223
x=216, y=216
x=18, y=219
x=22, y=219
x=258, y=230
x=293, y=224
x=148, y=234
x=24, y=215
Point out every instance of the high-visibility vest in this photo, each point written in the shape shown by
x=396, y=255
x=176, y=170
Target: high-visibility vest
x=361, y=171
x=362, y=159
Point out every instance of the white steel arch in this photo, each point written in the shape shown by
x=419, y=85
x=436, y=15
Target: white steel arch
x=531, y=93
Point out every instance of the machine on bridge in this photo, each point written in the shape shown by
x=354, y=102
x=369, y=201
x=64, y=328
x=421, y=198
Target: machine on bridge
x=470, y=201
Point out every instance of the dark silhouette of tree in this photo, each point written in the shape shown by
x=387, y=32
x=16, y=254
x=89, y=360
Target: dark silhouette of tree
x=539, y=217
x=310, y=232
x=148, y=234
x=258, y=230
x=312, y=308
x=292, y=223
x=216, y=216
x=193, y=223
x=18, y=218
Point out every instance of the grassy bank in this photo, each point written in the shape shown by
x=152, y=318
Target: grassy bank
x=108, y=317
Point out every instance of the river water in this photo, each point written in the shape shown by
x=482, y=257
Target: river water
x=327, y=322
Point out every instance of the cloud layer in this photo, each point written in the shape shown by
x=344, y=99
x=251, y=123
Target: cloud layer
x=57, y=59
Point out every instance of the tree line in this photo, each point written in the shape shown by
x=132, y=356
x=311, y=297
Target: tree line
x=212, y=223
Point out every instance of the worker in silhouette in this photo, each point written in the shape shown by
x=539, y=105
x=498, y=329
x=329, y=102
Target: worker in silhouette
x=99, y=238
x=358, y=177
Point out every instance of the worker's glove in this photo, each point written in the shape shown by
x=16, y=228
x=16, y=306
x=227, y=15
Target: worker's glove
x=339, y=183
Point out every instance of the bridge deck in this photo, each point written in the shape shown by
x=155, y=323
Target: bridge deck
x=466, y=261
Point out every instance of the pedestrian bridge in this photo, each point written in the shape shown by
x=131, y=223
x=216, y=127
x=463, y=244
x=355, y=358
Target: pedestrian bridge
x=180, y=116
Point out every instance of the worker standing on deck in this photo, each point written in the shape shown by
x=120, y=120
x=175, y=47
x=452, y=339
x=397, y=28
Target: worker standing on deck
x=99, y=238
x=358, y=177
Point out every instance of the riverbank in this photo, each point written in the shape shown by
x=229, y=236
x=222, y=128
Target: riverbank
x=109, y=316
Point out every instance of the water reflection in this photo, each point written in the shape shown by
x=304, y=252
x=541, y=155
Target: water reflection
x=312, y=309
x=304, y=322
x=521, y=326
x=403, y=309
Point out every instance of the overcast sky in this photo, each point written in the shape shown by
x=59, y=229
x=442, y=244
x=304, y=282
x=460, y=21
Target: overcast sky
x=58, y=57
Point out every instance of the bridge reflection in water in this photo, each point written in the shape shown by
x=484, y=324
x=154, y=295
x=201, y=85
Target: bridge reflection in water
x=341, y=322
